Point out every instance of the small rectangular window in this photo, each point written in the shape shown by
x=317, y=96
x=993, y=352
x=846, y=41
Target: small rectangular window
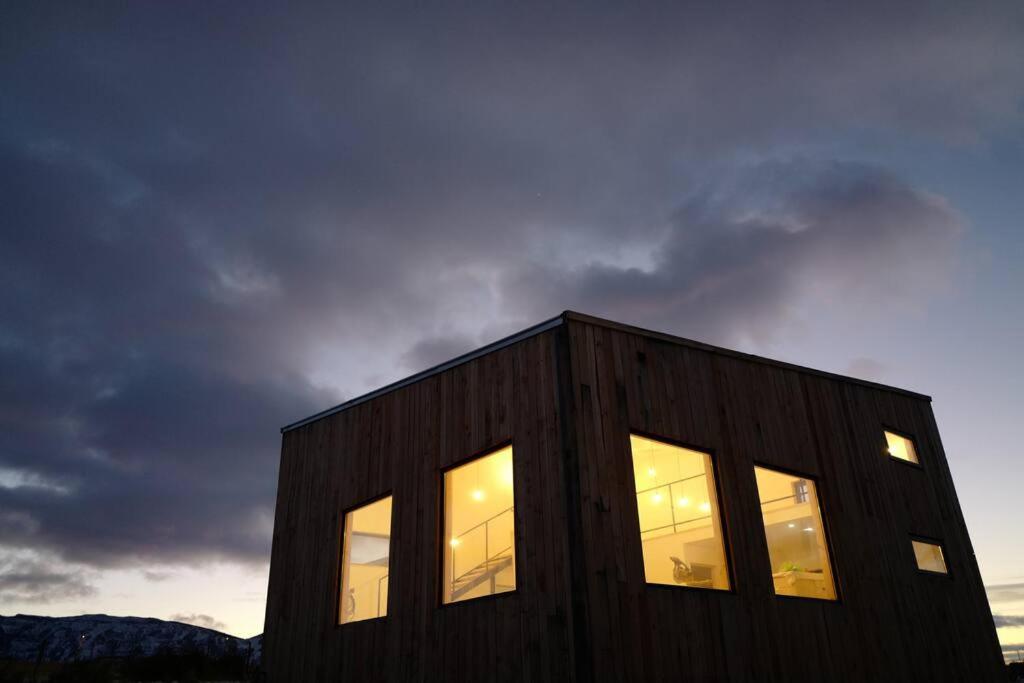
x=929, y=557
x=680, y=524
x=900, y=447
x=479, y=528
x=797, y=547
x=365, y=562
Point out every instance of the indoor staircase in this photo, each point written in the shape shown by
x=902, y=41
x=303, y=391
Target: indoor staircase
x=487, y=570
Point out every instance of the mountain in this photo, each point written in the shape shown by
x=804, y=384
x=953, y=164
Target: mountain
x=66, y=639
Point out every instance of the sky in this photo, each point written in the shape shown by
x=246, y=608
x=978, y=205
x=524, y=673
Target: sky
x=218, y=218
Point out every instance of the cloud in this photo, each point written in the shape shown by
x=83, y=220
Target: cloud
x=29, y=578
x=1004, y=593
x=212, y=228
x=204, y=620
x=742, y=259
x=1008, y=620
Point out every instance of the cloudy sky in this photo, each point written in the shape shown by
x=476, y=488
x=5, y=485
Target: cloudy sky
x=218, y=218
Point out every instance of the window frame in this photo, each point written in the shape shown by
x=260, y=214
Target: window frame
x=948, y=574
x=909, y=437
x=440, y=535
x=727, y=546
x=826, y=530
x=339, y=575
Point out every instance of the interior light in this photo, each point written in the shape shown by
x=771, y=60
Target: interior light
x=683, y=501
x=656, y=498
x=651, y=472
x=705, y=506
x=454, y=542
x=478, y=495
x=791, y=525
x=808, y=529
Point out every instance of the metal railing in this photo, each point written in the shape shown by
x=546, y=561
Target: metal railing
x=486, y=524
x=672, y=507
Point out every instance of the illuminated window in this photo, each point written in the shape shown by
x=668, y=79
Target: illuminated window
x=900, y=447
x=929, y=557
x=364, y=564
x=680, y=524
x=796, y=540
x=479, y=528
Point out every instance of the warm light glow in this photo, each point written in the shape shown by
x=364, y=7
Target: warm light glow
x=365, y=557
x=479, y=521
x=800, y=561
x=900, y=447
x=681, y=546
x=929, y=557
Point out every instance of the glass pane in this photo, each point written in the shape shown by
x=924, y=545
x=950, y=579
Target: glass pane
x=900, y=447
x=796, y=540
x=680, y=525
x=479, y=528
x=365, y=560
x=929, y=557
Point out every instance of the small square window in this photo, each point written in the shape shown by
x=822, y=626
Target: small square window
x=900, y=447
x=929, y=556
x=365, y=558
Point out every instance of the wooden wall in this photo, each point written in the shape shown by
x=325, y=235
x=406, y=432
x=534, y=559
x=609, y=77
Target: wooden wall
x=400, y=442
x=892, y=623
x=567, y=399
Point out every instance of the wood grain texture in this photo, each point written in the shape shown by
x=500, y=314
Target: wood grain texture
x=568, y=399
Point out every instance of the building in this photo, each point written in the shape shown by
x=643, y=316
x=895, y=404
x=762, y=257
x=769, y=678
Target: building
x=590, y=501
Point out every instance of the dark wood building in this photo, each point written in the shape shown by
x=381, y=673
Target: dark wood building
x=589, y=501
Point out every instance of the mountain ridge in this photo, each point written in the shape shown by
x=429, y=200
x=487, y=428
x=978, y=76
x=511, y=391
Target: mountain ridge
x=27, y=637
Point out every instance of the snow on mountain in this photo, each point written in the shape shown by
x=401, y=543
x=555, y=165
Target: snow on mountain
x=64, y=639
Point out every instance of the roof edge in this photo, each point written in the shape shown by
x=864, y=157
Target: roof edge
x=429, y=372
x=711, y=348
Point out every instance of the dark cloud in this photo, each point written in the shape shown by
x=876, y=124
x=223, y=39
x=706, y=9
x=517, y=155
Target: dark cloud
x=739, y=261
x=27, y=578
x=204, y=620
x=215, y=222
x=1008, y=620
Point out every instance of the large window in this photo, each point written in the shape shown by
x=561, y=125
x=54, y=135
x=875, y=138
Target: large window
x=479, y=528
x=680, y=524
x=796, y=540
x=365, y=556
x=929, y=557
x=900, y=447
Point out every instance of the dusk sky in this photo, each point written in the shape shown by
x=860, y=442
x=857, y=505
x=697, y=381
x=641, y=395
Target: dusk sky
x=218, y=218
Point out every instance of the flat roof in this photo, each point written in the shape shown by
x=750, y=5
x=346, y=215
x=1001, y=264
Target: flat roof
x=589, y=320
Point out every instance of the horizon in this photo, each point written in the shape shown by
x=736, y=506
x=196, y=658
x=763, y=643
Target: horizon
x=218, y=222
